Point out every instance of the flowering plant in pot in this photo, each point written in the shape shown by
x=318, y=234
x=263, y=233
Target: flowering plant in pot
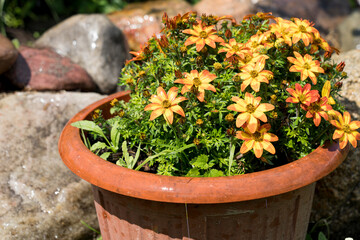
x=211, y=97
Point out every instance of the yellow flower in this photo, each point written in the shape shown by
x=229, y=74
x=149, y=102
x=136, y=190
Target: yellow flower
x=251, y=110
x=258, y=141
x=253, y=75
x=346, y=130
x=165, y=104
x=302, y=30
x=197, y=82
x=113, y=102
x=258, y=41
x=325, y=92
x=318, y=41
x=233, y=47
x=281, y=30
x=306, y=66
x=202, y=35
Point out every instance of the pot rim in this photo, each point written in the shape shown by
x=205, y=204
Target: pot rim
x=197, y=190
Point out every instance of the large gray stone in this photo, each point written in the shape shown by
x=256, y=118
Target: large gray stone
x=94, y=43
x=40, y=197
x=338, y=195
x=349, y=32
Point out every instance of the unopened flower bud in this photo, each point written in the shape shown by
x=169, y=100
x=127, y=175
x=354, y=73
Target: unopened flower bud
x=217, y=66
x=199, y=122
x=229, y=117
x=183, y=49
x=196, y=141
x=142, y=136
x=237, y=78
x=230, y=131
x=146, y=93
x=178, y=74
x=121, y=113
x=343, y=74
x=340, y=66
x=338, y=85
x=228, y=33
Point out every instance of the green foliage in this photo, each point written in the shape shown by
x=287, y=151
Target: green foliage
x=17, y=13
x=319, y=231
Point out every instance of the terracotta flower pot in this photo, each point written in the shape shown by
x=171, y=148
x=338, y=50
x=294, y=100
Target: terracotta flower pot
x=271, y=204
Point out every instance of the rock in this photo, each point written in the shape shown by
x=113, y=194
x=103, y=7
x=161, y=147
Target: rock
x=139, y=21
x=337, y=195
x=40, y=197
x=236, y=8
x=8, y=54
x=43, y=69
x=349, y=32
x=94, y=43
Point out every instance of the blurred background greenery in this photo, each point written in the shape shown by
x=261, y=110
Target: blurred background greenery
x=38, y=15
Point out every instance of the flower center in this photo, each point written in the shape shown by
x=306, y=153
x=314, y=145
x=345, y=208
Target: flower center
x=235, y=48
x=166, y=104
x=250, y=108
x=302, y=29
x=196, y=82
x=258, y=137
x=254, y=44
x=203, y=34
x=254, y=73
x=346, y=128
x=315, y=107
x=306, y=66
x=302, y=98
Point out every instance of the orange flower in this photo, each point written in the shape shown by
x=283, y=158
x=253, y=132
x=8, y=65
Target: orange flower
x=251, y=110
x=318, y=109
x=258, y=41
x=233, y=47
x=302, y=30
x=197, y=83
x=306, y=66
x=346, y=130
x=258, y=141
x=165, y=104
x=281, y=29
x=302, y=95
x=202, y=35
x=318, y=41
x=325, y=92
x=253, y=75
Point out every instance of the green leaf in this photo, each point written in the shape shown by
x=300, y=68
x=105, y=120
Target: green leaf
x=231, y=157
x=201, y=162
x=115, y=135
x=321, y=236
x=88, y=126
x=215, y=173
x=194, y=172
x=105, y=155
x=98, y=145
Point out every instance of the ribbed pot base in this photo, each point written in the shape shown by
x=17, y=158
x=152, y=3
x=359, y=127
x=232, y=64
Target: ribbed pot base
x=278, y=217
